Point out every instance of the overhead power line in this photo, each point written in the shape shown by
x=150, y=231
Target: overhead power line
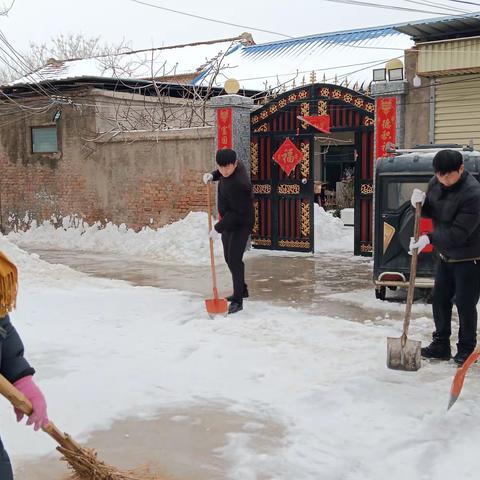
x=465, y=1
x=208, y=19
x=438, y=5
x=382, y=5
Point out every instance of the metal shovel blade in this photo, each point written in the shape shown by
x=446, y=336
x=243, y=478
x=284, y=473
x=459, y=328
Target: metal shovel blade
x=403, y=354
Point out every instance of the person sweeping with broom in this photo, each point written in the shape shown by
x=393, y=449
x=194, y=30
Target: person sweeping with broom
x=18, y=387
x=13, y=365
x=453, y=202
x=235, y=206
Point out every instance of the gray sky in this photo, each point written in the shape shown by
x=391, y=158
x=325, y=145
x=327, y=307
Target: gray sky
x=144, y=27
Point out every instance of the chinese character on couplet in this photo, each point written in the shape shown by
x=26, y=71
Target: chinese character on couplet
x=386, y=105
x=385, y=135
x=224, y=115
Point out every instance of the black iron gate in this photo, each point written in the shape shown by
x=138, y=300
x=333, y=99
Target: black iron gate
x=284, y=203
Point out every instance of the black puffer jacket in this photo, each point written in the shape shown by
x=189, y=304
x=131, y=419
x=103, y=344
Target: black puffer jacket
x=455, y=212
x=235, y=200
x=13, y=365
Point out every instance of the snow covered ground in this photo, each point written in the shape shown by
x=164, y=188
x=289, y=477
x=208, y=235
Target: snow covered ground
x=106, y=350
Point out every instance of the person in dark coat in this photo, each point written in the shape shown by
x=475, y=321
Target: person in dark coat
x=13, y=365
x=235, y=206
x=453, y=202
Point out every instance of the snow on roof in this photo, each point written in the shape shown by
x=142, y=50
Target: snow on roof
x=142, y=64
x=340, y=57
x=348, y=55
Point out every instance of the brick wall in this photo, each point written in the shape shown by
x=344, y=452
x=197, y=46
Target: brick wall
x=136, y=178
x=158, y=175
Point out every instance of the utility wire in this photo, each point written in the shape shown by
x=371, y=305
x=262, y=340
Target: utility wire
x=210, y=19
x=382, y=5
x=465, y=1
x=438, y=5
x=21, y=61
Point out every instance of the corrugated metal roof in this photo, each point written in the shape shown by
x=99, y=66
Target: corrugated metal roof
x=442, y=27
x=349, y=56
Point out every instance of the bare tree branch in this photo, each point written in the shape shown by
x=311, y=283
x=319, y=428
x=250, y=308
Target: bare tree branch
x=4, y=10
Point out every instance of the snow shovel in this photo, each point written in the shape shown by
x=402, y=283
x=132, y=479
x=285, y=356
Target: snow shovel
x=215, y=305
x=402, y=353
x=83, y=461
x=459, y=377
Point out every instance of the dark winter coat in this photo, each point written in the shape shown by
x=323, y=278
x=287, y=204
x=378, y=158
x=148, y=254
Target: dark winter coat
x=455, y=212
x=235, y=200
x=13, y=365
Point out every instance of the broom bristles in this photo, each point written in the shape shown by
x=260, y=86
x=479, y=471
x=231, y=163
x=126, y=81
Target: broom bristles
x=86, y=466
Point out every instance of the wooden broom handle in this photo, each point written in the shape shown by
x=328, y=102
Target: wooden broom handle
x=413, y=273
x=20, y=401
x=212, y=255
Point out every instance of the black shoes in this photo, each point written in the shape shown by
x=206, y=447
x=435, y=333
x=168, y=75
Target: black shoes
x=461, y=356
x=231, y=298
x=234, y=307
x=438, y=350
x=441, y=351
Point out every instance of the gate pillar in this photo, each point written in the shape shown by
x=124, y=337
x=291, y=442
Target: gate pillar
x=232, y=124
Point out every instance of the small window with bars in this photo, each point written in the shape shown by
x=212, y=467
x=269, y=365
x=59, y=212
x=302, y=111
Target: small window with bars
x=44, y=139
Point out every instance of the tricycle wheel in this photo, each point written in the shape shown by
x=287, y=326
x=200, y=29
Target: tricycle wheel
x=380, y=293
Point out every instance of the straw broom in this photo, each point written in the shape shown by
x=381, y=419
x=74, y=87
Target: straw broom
x=82, y=461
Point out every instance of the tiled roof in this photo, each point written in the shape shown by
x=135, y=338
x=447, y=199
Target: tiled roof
x=166, y=61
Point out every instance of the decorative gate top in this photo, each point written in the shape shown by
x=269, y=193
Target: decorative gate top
x=304, y=95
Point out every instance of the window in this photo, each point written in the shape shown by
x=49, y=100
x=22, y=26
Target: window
x=400, y=192
x=44, y=139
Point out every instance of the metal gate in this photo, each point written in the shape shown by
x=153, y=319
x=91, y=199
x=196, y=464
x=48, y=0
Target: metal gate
x=284, y=203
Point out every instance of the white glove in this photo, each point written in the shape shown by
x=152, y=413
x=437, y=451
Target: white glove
x=207, y=177
x=417, y=197
x=421, y=243
x=214, y=234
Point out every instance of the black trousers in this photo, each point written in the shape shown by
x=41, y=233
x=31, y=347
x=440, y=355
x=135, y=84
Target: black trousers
x=459, y=282
x=6, y=472
x=234, y=243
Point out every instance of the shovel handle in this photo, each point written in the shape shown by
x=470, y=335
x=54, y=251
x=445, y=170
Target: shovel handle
x=210, y=226
x=20, y=401
x=413, y=272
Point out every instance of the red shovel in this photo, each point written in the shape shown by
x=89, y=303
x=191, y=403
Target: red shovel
x=215, y=305
x=459, y=377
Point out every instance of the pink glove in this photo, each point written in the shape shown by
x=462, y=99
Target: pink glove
x=38, y=418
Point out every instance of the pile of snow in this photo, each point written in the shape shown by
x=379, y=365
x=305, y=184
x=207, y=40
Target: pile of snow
x=182, y=242
x=331, y=235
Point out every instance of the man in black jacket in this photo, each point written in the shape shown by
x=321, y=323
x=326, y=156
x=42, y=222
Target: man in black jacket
x=235, y=206
x=453, y=203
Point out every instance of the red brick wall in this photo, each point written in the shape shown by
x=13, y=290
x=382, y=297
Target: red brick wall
x=128, y=179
